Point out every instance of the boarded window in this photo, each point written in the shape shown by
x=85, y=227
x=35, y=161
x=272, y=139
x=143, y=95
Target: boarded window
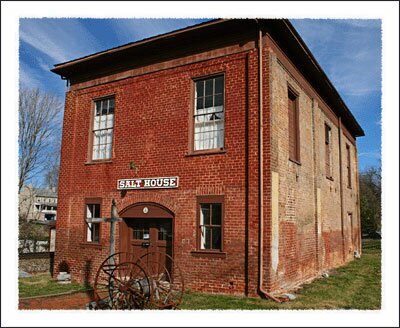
x=328, y=169
x=348, y=164
x=294, y=146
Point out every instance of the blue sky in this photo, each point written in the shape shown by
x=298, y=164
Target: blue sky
x=348, y=50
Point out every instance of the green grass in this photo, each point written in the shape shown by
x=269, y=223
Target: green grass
x=354, y=286
x=43, y=284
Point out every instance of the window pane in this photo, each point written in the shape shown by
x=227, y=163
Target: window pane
x=220, y=137
x=199, y=89
x=98, y=107
x=216, y=238
x=111, y=106
x=103, y=121
x=110, y=120
x=89, y=211
x=209, y=102
x=96, y=210
x=95, y=152
x=219, y=84
x=216, y=214
x=96, y=123
x=104, y=107
x=162, y=233
x=137, y=234
x=96, y=140
x=108, y=150
x=200, y=103
x=205, y=242
x=219, y=100
x=205, y=214
x=103, y=137
x=96, y=232
x=209, y=87
x=102, y=151
x=89, y=232
x=146, y=234
x=109, y=136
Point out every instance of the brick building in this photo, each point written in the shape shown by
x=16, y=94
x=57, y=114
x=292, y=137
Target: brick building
x=224, y=145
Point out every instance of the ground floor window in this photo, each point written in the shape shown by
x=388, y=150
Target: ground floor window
x=93, y=229
x=210, y=218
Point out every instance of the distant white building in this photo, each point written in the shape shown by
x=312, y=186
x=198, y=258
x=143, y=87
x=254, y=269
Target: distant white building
x=38, y=204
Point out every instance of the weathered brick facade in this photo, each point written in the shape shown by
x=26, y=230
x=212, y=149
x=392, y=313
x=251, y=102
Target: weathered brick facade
x=306, y=227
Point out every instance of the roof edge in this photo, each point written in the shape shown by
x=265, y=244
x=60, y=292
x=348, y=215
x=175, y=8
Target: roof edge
x=135, y=43
x=303, y=45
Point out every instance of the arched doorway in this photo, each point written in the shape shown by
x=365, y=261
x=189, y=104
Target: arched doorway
x=147, y=228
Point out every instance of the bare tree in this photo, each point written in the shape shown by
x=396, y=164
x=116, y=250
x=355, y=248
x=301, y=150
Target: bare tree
x=39, y=123
x=52, y=166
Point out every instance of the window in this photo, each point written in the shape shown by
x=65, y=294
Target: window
x=93, y=229
x=328, y=136
x=103, y=123
x=141, y=232
x=210, y=213
x=294, y=138
x=350, y=219
x=209, y=114
x=348, y=166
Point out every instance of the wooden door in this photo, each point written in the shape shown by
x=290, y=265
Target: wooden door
x=152, y=237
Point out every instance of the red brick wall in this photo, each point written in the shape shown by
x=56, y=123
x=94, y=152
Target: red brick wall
x=310, y=238
x=151, y=130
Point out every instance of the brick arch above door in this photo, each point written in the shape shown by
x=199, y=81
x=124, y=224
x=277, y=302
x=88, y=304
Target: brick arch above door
x=146, y=210
x=146, y=198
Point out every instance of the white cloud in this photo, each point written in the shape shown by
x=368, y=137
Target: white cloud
x=60, y=39
x=43, y=64
x=348, y=51
x=28, y=77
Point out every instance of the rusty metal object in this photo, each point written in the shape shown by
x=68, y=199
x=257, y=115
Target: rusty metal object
x=124, y=281
x=166, y=280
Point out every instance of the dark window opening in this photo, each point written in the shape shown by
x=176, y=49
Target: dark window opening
x=294, y=131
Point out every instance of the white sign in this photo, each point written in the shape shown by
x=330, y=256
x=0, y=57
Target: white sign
x=148, y=183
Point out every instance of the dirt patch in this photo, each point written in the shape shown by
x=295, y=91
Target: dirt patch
x=74, y=301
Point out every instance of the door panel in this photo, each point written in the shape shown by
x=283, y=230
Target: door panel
x=148, y=236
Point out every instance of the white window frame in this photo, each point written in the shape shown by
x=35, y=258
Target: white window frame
x=102, y=128
x=209, y=114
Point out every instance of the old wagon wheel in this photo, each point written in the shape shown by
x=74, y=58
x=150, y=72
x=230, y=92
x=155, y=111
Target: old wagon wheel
x=129, y=287
x=166, y=280
x=105, y=276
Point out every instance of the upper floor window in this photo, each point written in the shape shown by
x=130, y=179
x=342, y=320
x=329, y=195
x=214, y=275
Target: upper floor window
x=328, y=136
x=348, y=166
x=294, y=137
x=103, y=124
x=209, y=113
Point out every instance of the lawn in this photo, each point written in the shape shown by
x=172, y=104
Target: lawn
x=42, y=284
x=354, y=286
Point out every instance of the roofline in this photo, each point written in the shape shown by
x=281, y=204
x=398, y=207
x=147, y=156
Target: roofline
x=303, y=45
x=357, y=130
x=136, y=43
